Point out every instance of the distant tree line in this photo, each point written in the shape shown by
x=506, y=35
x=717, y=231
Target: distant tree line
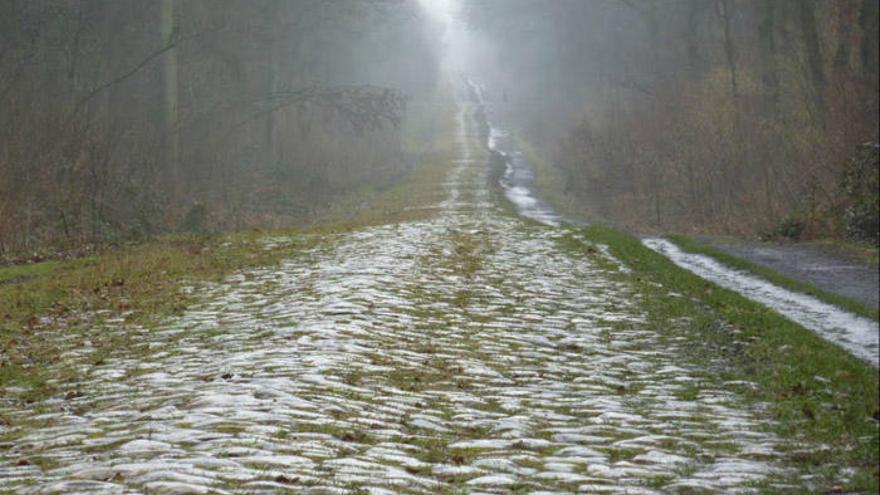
x=121, y=119
x=733, y=116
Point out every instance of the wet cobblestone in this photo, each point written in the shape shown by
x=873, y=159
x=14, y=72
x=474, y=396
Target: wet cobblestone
x=468, y=353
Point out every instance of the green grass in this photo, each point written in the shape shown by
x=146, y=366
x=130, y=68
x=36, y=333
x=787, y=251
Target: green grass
x=816, y=390
x=548, y=182
x=865, y=250
x=15, y=273
x=693, y=246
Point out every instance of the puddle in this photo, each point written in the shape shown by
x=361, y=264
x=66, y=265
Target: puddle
x=518, y=181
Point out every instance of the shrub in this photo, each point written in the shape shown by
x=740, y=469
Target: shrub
x=790, y=229
x=861, y=199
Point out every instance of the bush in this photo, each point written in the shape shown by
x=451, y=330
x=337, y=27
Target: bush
x=790, y=229
x=859, y=186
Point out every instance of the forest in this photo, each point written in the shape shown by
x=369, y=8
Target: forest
x=124, y=119
x=439, y=247
x=728, y=116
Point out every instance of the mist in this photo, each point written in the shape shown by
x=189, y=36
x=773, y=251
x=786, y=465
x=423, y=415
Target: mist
x=731, y=117
x=422, y=247
x=123, y=120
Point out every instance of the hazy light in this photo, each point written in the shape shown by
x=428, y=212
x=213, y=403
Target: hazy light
x=440, y=9
x=444, y=15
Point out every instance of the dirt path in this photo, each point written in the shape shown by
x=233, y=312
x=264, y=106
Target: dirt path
x=468, y=353
x=857, y=334
x=822, y=267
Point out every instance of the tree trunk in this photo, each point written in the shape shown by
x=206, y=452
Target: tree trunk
x=868, y=20
x=169, y=93
x=810, y=36
x=695, y=59
x=723, y=7
x=272, y=11
x=768, y=48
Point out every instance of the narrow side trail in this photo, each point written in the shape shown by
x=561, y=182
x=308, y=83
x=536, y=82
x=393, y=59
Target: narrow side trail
x=825, y=267
x=857, y=334
x=473, y=352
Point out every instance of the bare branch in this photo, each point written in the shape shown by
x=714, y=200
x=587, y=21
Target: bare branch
x=137, y=68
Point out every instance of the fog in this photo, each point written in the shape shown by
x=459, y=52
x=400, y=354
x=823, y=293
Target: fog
x=127, y=119
x=433, y=247
x=733, y=117
x=123, y=120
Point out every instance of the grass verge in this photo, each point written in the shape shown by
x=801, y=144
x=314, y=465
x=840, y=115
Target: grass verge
x=815, y=390
x=44, y=316
x=18, y=273
x=863, y=250
x=693, y=246
x=550, y=184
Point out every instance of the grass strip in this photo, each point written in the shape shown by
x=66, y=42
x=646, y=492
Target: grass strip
x=17, y=273
x=695, y=247
x=816, y=391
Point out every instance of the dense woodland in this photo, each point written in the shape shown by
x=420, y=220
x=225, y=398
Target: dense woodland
x=736, y=116
x=122, y=119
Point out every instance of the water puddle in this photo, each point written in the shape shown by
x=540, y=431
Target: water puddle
x=518, y=181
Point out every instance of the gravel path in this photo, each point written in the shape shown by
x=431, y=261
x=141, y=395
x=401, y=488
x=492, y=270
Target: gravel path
x=469, y=353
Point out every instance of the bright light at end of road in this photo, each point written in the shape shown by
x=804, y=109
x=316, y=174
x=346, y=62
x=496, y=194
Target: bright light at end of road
x=441, y=9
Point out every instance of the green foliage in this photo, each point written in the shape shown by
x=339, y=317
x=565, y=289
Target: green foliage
x=790, y=229
x=860, y=185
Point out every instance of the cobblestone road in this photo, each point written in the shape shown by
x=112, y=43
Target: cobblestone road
x=467, y=353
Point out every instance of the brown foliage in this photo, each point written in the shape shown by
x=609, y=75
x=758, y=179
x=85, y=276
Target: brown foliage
x=121, y=121
x=729, y=149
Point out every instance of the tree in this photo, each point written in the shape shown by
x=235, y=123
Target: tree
x=169, y=89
